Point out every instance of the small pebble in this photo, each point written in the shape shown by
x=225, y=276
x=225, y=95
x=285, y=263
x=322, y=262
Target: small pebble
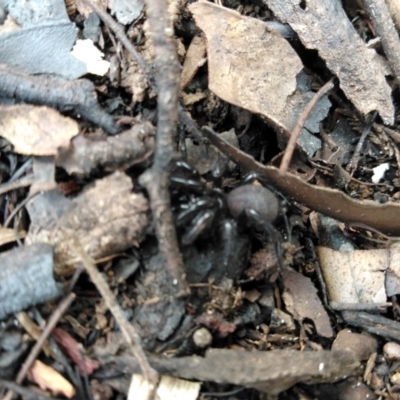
x=101, y=321
x=202, y=338
x=391, y=350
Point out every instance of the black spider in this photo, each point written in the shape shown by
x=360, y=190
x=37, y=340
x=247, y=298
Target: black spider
x=208, y=217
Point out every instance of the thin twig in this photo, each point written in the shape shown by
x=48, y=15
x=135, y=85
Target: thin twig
x=129, y=332
x=18, y=208
x=23, y=182
x=55, y=317
x=384, y=26
x=359, y=306
x=291, y=146
x=26, y=393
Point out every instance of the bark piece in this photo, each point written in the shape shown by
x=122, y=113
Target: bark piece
x=361, y=75
x=105, y=219
x=301, y=300
x=270, y=371
x=108, y=152
x=26, y=278
x=373, y=323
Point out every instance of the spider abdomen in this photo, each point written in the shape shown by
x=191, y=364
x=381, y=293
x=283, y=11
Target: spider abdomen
x=253, y=197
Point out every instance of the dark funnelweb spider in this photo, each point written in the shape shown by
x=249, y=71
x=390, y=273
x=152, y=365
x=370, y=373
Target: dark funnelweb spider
x=227, y=221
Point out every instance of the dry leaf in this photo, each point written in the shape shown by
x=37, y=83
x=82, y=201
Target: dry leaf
x=245, y=60
x=354, y=276
x=195, y=57
x=48, y=378
x=255, y=68
x=39, y=131
x=361, y=75
x=301, y=300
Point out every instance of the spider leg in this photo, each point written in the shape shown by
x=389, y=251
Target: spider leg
x=189, y=213
x=201, y=223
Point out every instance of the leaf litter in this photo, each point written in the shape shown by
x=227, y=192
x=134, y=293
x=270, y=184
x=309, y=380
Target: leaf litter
x=248, y=75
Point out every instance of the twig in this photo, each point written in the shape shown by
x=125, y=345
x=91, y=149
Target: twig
x=26, y=393
x=385, y=28
x=353, y=163
x=358, y=306
x=130, y=334
x=291, y=146
x=157, y=179
x=57, y=314
x=18, y=208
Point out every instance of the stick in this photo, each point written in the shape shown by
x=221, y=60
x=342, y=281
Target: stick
x=157, y=179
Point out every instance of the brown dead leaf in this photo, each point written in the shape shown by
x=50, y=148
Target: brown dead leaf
x=48, y=378
x=301, y=300
x=253, y=67
x=245, y=60
x=354, y=276
x=361, y=75
x=333, y=203
x=195, y=57
x=33, y=130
